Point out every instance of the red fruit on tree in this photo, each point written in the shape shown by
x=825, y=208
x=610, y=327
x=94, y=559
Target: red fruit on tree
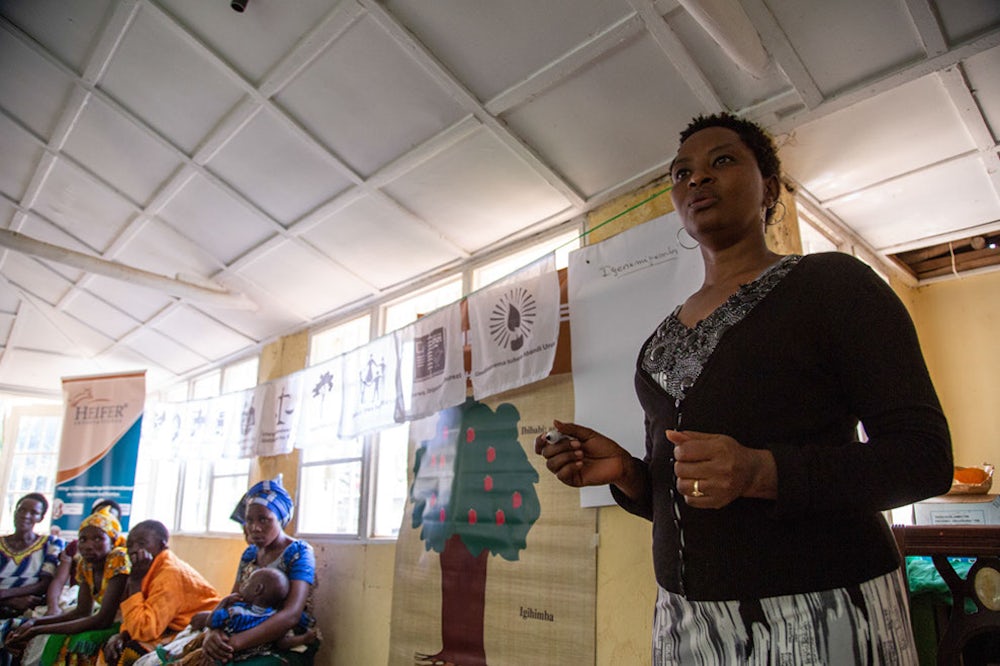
x=516, y=500
x=470, y=435
x=488, y=483
x=472, y=516
x=441, y=514
x=433, y=500
x=501, y=518
x=491, y=454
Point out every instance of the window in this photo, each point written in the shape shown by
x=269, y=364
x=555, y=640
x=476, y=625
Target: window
x=30, y=456
x=411, y=308
x=493, y=271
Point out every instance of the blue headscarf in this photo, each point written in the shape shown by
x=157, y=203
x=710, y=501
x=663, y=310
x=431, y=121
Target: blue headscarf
x=270, y=494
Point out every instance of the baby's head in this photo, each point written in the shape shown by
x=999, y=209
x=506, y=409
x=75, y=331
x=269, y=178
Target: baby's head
x=265, y=587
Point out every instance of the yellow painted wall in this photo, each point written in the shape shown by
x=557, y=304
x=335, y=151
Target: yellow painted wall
x=957, y=323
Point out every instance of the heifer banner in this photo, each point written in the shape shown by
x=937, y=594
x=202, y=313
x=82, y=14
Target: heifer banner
x=99, y=445
x=495, y=560
x=513, y=329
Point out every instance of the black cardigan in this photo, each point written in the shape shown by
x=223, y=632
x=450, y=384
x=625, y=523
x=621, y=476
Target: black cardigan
x=829, y=345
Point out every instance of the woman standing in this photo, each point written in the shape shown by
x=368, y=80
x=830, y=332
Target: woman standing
x=102, y=569
x=768, y=541
x=264, y=511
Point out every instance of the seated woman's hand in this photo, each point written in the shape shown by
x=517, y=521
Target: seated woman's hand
x=584, y=458
x=20, y=636
x=216, y=645
x=200, y=620
x=24, y=602
x=113, y=648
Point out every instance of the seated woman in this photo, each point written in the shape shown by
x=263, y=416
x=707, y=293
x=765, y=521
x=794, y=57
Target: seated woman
x=57, y=596
x=27, y=560
x=264, y=511
x=102, y=569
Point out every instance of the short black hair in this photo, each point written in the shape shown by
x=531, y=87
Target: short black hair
x=753, y=135
x=38, y=497
x=154, y=526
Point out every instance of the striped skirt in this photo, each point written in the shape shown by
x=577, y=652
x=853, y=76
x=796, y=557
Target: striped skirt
x=865, y=624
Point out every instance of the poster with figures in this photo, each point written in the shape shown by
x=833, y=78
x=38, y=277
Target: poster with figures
x=370, y=388
x=495, y=564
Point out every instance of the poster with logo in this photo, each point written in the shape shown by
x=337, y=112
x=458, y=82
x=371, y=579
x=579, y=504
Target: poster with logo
x=99, y=445
x=514, y=327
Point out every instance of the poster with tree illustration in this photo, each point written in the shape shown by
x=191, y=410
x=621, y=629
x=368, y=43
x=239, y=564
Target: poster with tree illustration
x=472, y=580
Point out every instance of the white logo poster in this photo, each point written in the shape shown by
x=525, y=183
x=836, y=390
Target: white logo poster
x=432, y=368
x=619, y=291
x=371, y=388
x=280, y=415
x=322, y=401
x=513, y=329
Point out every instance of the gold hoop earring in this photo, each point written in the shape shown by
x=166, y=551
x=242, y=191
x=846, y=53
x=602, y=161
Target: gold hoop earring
x=680, y=241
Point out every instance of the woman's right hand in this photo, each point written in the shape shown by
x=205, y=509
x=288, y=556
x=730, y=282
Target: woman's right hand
x=586, y=458
x=216, y=646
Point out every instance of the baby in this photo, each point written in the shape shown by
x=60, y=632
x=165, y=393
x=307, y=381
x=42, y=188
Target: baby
x=260, y=596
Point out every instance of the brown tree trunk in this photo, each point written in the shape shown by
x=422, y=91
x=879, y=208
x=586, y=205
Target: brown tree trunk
x=463, y=604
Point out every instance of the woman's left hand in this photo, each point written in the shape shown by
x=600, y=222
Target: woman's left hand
x=713, y=470
x=216, y=645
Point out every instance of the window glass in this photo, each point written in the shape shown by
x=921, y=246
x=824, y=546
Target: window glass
x=410, y=309
x=30, y=464
x=338, y=339
x=493, y=271
x=206, y=386
x=330, y=498
x=391, y=481
x=240, y=376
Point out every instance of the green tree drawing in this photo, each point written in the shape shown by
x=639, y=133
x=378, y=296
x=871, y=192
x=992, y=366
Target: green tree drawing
x=474, y=495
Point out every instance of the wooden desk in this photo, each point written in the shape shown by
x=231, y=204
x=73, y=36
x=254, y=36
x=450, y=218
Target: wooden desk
x=981, y=586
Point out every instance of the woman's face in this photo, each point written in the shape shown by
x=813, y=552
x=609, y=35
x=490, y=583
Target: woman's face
x=262, y=526
x=27, y=514
x=718, y=189
x=93, y=543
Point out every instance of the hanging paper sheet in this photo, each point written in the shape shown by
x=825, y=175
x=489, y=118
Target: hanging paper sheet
x=513, y=328
x=432, y=370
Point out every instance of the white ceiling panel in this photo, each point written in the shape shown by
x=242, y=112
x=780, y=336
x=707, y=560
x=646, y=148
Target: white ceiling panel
x=596, y=111
x=222, y=225
x=67, y=29
x=217, y=341
x=99, y=314
x=41, y=371
x=316, y=157
x=844, y=42
x=366, y=233
x=513, y=39
x=368, y=115
x=308, y=283
x=160, y=249
x=140, y=303
x=251, y=42
x=85, y=209
x=127, y=155
x=178, y=89
x=43, y=328
x=32, y=89
x=894, y=213
x=982, y=72
x=477, y=192
x=907, y=128
x=21, y=154
x=40, y=282
x=278, y=168
x=163, y=350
